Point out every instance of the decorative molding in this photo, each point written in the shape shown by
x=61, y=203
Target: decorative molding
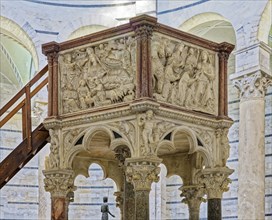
x=127, y=110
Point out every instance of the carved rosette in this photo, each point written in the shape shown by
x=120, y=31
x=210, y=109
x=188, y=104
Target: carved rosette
x=142, y=174
x=215, y=181
x=253, y=86
x=59, y=183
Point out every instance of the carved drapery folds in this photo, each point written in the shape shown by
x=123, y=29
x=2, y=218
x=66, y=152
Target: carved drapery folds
x=253, y=86
x=222, y=135
x=215, y=181
x=184, y=75
x=142, y=173
x=98, y=75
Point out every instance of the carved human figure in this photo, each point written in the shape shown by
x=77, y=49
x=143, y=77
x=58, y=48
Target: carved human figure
x=98, y=92
x=148, y=133
x=53, y=161
x=83, y=93
x=105, y=209
x=94, y=65
x=66, y=68
x=157, y=54
x=185, y=90
x=98, y=75
x=69, y=98
x=173, y=67
x=204, y=84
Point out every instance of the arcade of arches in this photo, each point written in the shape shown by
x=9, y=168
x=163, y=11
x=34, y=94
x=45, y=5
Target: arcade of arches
x=168, y=148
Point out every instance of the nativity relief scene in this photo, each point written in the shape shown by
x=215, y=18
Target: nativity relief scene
x=184, y=75
x=131, y=99
x=98, y=75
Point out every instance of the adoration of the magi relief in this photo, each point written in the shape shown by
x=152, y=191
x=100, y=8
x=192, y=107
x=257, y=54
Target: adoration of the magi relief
x=184, y=75
x=98, y=75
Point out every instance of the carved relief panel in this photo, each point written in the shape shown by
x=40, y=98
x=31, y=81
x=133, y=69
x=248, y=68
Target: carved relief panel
x=97, y=74
x=184, y=75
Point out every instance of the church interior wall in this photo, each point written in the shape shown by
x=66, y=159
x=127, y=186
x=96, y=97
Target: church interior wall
x=24, y=196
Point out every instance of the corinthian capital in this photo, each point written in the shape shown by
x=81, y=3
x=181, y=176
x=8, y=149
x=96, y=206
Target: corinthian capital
x=193, y=195
x=253, y=86
x=142, y=173
x=215, y=181
x=144, y=30
x=60, y=183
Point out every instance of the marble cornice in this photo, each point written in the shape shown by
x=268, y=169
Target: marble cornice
x=138, y=107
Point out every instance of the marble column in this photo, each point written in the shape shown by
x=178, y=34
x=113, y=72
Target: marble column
x=251, y=168
x=128, y=195
x=215, y=182
x=129, y=201
x=193, y=197
x=214, y=209
x=142, y=174
x=60, y=183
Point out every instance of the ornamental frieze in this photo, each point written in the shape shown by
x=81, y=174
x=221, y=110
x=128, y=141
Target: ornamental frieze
x=98, y=75
x=184, y=75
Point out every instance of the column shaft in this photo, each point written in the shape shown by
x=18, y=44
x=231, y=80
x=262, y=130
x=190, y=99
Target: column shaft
x=129, y=201
x=214, y=209
x=194, y=213
x=251, y=171
x=142, y=204
x=59, y=208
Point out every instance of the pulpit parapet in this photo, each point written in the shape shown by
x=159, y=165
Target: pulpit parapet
x=142, y=60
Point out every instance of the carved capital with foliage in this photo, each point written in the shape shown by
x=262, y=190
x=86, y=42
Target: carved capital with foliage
x=142, y=173
x=193, y=195
x=215, y=181
x=59, y=183
x=253, y=86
